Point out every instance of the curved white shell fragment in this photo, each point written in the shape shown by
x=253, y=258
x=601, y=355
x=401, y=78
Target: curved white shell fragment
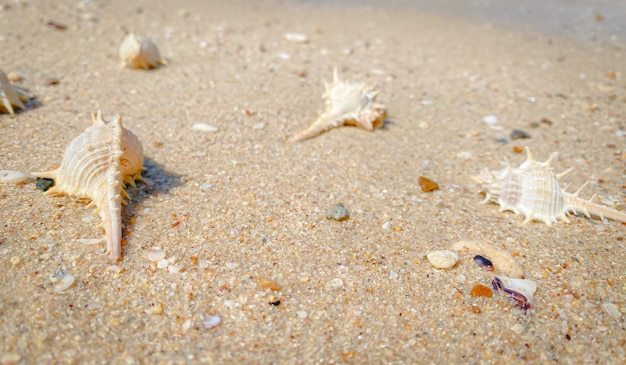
x=137, y=51
x=533, y=190
x=347, y=103
x=11, y=96
x=96, y=165
x=502, y=260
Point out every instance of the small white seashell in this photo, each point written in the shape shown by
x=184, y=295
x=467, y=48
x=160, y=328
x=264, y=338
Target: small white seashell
x=62, y=280
x=533, y=190
x=204, y=127
x=137, y=51
x=347, y=103
x=296, y=37
x=156, y=255
x=211, y=322
x=174, y=269
x=443, y=259
x=502, y=260
x=97, y=165
x=163, y=263
x=15, y=177
x=91, y=241
x=115, y=268
x=11, y=96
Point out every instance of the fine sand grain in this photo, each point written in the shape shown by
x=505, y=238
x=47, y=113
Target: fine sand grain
x=254, y=272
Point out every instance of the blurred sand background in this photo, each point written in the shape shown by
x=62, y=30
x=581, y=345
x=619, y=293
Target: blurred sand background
x=239, y=205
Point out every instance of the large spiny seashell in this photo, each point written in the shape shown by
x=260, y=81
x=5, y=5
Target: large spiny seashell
x=96, y=165
x=347, y=103
x=11, y=96
x=533, y=190
x=137, y=51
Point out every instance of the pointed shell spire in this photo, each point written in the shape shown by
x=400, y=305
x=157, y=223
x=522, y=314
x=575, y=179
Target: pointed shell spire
x=347, y=103
x=97, y=165
x=11, y=96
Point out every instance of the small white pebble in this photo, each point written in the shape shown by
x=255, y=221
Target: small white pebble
x=443, y=259
x=612, y=310
x=211, y=322
x=460, y=278
x=62, y=281
x=91, y=241
x=393, y=275
x=232, y=265
x=336, y=283
x=296, y=37
x=174, y=269
x=490, y=119
x=163, y=263
x=115, y=268
x=301, y=314
x=203, y=127
x=517, y=328
x=15, y=260
x=386, y=225
x=156, y=254
x=187, y=325
x=284, y=56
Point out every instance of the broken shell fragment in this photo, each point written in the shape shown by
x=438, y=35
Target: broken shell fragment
x=443, y=259
x=347, y=103
x=97, y=165
x=11, y=96
x=501, y=259
x=520, y=290
x=141, y=52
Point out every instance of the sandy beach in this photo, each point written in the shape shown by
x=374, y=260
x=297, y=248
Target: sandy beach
x=257, y=273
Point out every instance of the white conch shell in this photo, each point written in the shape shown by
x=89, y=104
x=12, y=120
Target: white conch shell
x=533, y=190
x=347, y=103
x=96, y=165
x=137, y=51
x=11, y=96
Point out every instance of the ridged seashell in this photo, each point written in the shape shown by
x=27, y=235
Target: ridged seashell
x=96, y=165
x=347, y=103
x=533, y=190
x=11, y=96
x=137, y=51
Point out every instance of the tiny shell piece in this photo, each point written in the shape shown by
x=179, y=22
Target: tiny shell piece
x=11, y=96
x=443, y=259
x=137, y=51
x=97, y=165
x=62, y=280
x=296, y=37
x=347, y=103
x=502, y=260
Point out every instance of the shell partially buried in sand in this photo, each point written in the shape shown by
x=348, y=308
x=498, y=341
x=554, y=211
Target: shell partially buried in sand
x=11, y=96
x=141, y=52
x=347, y=103
x=97, y=165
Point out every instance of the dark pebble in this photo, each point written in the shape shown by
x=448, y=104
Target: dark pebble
x=483, y=262
x=276, y=303
x=517, y=134
x=44, y=184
